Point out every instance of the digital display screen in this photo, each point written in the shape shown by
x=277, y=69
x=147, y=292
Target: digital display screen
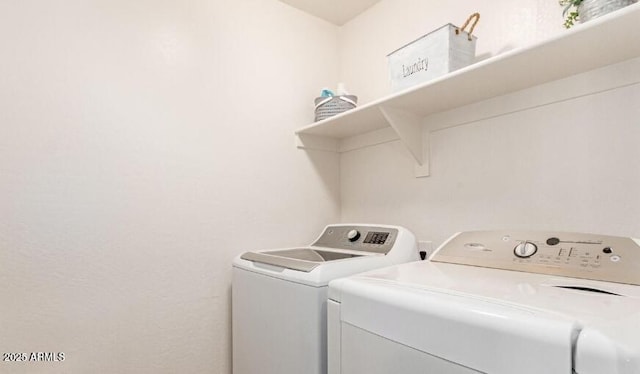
x=376, y=237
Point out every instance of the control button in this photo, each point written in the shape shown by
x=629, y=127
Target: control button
x=475, y=246
x=615, y=258
x=353, y=235
x=525, y=250
x=607, y=250
x=573, y=252
x=553, y=241
x=562, y=252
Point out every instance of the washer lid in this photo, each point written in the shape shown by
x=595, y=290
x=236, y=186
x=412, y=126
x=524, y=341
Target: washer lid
x=302, y=259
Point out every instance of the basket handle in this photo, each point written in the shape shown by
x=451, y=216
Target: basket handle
x=324, y=102
x=343, y=98
x=346, y=99
x=476, y=18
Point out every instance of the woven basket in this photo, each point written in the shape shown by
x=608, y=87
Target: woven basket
x=330, y=106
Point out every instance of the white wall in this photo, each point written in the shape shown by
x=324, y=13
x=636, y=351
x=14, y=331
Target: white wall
x=569, y=165
x=144, y=144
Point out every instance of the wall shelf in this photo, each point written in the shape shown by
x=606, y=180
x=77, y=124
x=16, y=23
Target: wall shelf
x=601, y=42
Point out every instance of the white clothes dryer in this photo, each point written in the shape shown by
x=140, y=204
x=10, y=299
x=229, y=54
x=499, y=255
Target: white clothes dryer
x=279, y=297
x=494, y=302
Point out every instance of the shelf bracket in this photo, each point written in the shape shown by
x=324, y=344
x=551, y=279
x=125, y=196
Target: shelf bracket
x=408, y=126
x=317, y=142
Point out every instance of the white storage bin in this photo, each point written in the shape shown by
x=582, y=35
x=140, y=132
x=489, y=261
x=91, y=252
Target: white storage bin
x=441, y=51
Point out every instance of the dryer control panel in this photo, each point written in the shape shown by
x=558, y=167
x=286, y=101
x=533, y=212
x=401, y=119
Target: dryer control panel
x=588, y=256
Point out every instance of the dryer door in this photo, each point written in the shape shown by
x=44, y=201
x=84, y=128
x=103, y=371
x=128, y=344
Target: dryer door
x=365, y=352
x=427, y=331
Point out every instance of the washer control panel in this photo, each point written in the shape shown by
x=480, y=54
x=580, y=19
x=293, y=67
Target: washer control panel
x=358, y=238
x=588, y=256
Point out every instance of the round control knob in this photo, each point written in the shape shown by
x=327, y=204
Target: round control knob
x=353, y=235
x=525, y=250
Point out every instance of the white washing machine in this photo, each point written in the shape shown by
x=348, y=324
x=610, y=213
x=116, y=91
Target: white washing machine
x=499, y=302
x=279, y=296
